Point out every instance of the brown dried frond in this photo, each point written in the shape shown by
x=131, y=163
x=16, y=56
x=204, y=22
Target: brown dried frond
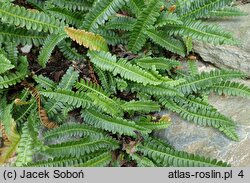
x=42, y=112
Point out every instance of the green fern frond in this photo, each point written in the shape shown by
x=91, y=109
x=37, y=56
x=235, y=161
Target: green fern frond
x=77, y=99
x=170, y=157
x=160, y=63
x=195, y=101
x=69, y=52
x=201, y=31
x=48, y=46
x=72, y=4
x=141, y=106
x=101, y=160
x=168, y=18
x=37, y=4
x=12, y=78
x=112, y=37
x=69, y=79
x=207, y=79
x=70, y=18
x=54, y=109
x=136, y=6
x=145, y=19
x=13, y=137
x=21, y=36
x=203, y=117
x=121, y=23
x=104, y=79
x=45, y=82
x=147, y=123
x=159, y=90
x=114, y=125
x=69, y=161
x=100, y=12
x=193, y=68
x=25, y=149
x=107, y=105
x=226, y=12
x=167, y=42
x=5, y=64
x=189, y=44
x=81, y=147
x=22, y=112
x=202, y=8
x=88, y=86
x=231, y=88
x=11, y=49
x=21, y=17
x=66, y=131
x=87, y=39
x=100, y=97
x=142, y=161
x=107, y=62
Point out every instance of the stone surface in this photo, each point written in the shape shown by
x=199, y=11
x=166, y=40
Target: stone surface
x=236, y=57
x=208, y=141
x=26, y=48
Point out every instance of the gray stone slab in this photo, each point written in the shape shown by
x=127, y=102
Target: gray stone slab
x=236, y=57
x=210, y=142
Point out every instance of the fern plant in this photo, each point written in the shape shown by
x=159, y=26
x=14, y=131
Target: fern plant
x=119, y=74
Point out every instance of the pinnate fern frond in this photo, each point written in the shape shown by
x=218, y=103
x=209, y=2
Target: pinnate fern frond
x=74, y=161
x=207, y=79
x=202, y=8
x=231, y=88
x=203, y=117
x=145, y=19
x=141, y=106
x=5, y=64
x=25, y=148
x=45, y=82
x=12, y=78
x=81, y=147
x=167, y=42
x=66, y=131
x=21, y=36
x=128, y=71
x=87, y=39
x=160, y=63
x=71, y=18
x=100, y=97
x=169, y=157
x=100, y=12
x=69, y=52
x=88, y=86
x=48, y=47
x=31, y=20
x=114, y=125
x=75, y=99
x=226, y=12
x=201, y=31
x=159, y=90
x=72, y=4
x=101, y=160
x=69, y=79
x=121, y=23
x=136, y=6
x=142, y=161
x=168, y=18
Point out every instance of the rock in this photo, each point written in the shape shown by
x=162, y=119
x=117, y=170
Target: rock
x=26, y=48
x=235, y=57
x=207, y=141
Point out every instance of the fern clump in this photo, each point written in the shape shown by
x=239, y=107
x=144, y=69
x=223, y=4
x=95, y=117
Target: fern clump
x=88, y=92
